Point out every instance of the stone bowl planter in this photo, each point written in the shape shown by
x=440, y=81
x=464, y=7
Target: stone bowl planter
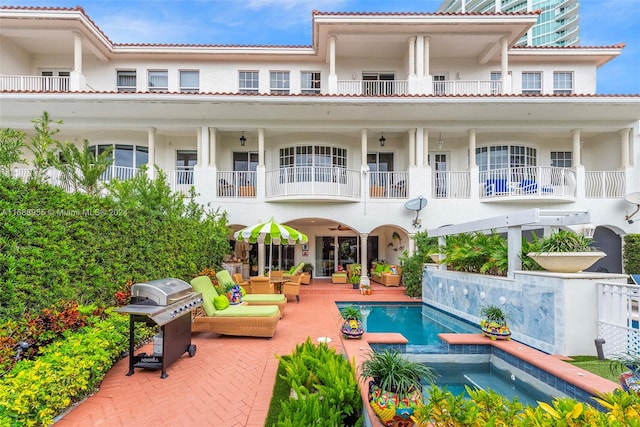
x=566, y=262
x=436, y=257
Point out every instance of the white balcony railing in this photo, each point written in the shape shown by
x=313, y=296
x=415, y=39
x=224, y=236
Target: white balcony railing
x=388, y=185
x=34, y=84
x=618, y=314
x=605, y=184
x=180, y=180
x=373, y=87
x=451, y=185
x=313, y=181
x=467, y=87
x=236, y=184
x=532, y=181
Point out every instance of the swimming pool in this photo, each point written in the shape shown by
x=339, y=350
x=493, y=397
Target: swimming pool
x=418, y=323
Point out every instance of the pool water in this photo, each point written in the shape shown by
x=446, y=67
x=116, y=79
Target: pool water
x=416, y=322
x=506, y=382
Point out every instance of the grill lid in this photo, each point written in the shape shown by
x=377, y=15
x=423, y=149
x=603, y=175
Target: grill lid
x=161, y=291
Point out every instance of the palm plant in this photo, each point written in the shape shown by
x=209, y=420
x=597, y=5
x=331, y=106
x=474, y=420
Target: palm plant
x=351, y=312
x=81, y=168
x=391, y=371
x=493, y=313
x=565, y=241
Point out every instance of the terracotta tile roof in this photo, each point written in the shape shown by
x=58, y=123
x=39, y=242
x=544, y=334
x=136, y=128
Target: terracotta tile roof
x=613, y=46
x=319, y=13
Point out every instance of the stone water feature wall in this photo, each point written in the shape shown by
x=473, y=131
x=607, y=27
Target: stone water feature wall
x=555, y=313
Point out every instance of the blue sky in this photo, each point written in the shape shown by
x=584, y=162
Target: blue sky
x=288, y=22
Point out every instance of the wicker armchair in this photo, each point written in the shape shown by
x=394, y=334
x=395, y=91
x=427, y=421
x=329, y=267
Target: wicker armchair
x=238, y=279
x=261, y=285
x=292, y=287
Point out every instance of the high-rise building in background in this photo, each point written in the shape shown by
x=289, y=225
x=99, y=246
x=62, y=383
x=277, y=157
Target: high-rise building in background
x=558, y=24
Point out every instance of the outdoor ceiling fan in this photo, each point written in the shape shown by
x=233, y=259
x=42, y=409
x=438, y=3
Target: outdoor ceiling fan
x=340, y=227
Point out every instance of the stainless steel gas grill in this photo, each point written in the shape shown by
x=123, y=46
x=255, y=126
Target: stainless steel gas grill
x=167, y=303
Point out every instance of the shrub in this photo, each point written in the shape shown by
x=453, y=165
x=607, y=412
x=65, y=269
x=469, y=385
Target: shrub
x=412, y=266
x=631, y=256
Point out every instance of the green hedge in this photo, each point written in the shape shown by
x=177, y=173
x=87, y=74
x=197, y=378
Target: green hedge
x=631, y=257
x=57, y=245
x=35, y=391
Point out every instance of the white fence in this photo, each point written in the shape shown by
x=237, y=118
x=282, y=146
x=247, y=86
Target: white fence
x=373, y=87
x=313, y=181
x=605, y=184
x=467, y=87
x=618, y=316
x=34, y=84
x=388, y=185
x=236, y=184
x=451, y=185
x=528, y=181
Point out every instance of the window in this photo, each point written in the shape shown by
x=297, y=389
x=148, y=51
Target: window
x=496, y=80
x=378, y=83
x=313, y=163
x=127, y=159
x=248, y=82
x=185, y=161
x=189, y=81
x=126, y=80
x=379, y=162
x=562, y=83
x=501, y=160
x=532, y=83
x=279, y=82
x=439, y=84
x=245, y=165
x=158, y=81
x=310, y=82
x=561, y=159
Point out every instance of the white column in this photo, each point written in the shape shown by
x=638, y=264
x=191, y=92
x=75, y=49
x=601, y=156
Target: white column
x=427, y=65
x=514, y=243
x=363, y=254
x=213, y=140
x=624, y=147
x=151, y=142
x=363, y=148
x=261, y=153
x=472, y=148
x=204, y=147
x=412, y=55
x=333, y=79
x=504, y=66
x=419, y=132
x=76, y=79
x=420, y=56
x=425, y=145
x=412, y=147
x=577, y=158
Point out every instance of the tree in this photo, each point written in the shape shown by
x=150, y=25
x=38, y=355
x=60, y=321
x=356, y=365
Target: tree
x=41, y=144
x=81, y=169
x=11, y=145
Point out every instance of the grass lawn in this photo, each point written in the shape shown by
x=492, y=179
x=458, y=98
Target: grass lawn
x=601, y=368
x=280, y=393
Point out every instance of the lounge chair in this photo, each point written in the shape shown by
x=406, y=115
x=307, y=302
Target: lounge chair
x=294, y=271
x=254, y=298
x=292, y=287
x=238, y=320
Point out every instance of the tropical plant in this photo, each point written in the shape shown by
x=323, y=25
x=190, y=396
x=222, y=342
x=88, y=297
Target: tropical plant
x=493, y=313
x=11, y=144
x=42, y=144
x=625, y=360
x=565, y=241
x=81, y=169
x=631, y=255
x=351, y=312
x=412, y=266
x=391, y=371
x=307, y=268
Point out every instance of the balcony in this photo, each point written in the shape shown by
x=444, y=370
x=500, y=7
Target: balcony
x=467, y=87
x=531, y=182
x=305, y=182
x=451, y=185
x=373, y=87
x=388, y=185
x=34, y=84
x=236, y=184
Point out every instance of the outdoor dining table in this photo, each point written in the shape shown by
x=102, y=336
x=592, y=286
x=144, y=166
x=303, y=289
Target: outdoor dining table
x=277, y=282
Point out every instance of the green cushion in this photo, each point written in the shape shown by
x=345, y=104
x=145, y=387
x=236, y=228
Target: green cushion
x=224, y=278
x=386, y=268
x=291, y=269
x=379, y=268
x=273, y=298
x=203, y=285
x=243, y=291
x=249, y=311
x=221, y=302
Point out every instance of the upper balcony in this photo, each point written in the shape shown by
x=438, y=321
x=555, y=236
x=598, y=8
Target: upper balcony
x=34, y=83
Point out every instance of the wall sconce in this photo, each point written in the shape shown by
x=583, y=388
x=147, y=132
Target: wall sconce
x=243, y=140
x=588, y=230
x=382, y=139
x=440, y=142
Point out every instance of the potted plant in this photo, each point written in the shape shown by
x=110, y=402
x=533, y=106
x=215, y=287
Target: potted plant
x=566, y=252
x=352, y=322
x=494, y=323
x=307, y=270
x=395, y=385
x=355, y=281
x=629, y=364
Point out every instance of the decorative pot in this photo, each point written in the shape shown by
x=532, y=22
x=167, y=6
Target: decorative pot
x=352, y=328
x=630, y=381
x=495, y=331
x=393, y=409
x=566, y=262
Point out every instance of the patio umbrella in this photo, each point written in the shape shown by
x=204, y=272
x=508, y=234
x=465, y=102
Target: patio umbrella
x=270, y=232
